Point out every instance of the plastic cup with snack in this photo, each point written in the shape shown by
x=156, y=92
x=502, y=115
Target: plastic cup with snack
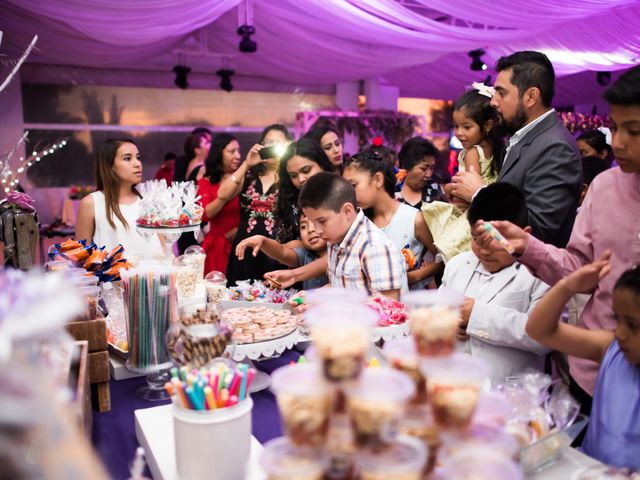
x=480, y=463
x=282, y=460
x=418, y=422
x=434, y=316
x=196, y=256
x=304, y=399
x=342, y=337
x=401, y=354
x=216, y=285
x=186, y=277
x=376, y=402
x=403, y=460
x=91, y=294
x=453, y=388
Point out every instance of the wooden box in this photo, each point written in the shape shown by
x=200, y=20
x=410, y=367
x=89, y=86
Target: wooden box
x=94, y=331
x=79, y=383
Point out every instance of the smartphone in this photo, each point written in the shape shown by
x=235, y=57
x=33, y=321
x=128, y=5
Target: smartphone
x=269, y=152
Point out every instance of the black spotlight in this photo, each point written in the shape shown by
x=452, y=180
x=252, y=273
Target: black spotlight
x=225, y=79
x=603, y=78
x=477, y=64
x=181, y=76
x=246, y=44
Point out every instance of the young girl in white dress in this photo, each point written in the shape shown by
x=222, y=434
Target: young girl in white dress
x=108, y=216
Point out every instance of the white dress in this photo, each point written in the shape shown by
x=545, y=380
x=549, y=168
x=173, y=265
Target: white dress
x=401, y=231
x=136, y=247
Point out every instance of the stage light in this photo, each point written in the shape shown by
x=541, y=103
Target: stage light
x=225, y=79
x=181, y=76
x=603, y=78
x=246, y=44
x=476, y=61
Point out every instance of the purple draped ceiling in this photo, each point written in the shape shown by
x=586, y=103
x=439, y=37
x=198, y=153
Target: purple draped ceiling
x=419, y=45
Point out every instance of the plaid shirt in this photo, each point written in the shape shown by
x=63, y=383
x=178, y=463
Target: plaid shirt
x=366, y=259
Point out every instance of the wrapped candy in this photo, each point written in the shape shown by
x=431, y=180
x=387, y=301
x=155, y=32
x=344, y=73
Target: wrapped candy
x=390, y=312
x=174, y=205
x=257, y=291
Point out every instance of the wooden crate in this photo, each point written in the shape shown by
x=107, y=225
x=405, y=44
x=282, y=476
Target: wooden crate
x=95, y=333
x=79, y=378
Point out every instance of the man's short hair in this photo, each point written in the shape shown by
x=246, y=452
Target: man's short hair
x=625, y=90
x=326, y=190
x=499, y=201
x=530, y=69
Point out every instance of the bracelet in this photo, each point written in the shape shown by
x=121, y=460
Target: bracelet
x=235, y=180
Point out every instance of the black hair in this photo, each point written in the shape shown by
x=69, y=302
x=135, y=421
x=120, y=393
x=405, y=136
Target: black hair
x=499, y=201
x=287, y=225
x=626, y=89
x=316, y=133
x=261, y=168
x=478, y=108
x=530, y=69
x=414, y=150
x=598, y=141
x=629, y=280
x=213, y=165
x=191, y=143
x=170, y=156
x=592, y=166
x=373, y=163
x=384, y=152
x=327, y=190
x=204, y=130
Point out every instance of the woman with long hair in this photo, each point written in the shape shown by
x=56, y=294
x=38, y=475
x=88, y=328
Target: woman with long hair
x=108, y=216
x=330, y=141
x=301, y=161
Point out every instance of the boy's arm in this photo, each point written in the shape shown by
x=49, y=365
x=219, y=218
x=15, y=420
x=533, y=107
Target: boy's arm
x=384, y=270
x=545, y=327
x=270, y=248
x=286, y=278
x=425, y=271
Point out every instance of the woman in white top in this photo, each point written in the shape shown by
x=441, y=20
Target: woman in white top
x=108, y=216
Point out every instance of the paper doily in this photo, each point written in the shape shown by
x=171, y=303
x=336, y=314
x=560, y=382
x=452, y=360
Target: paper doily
x=268, y=348
x=390, y=332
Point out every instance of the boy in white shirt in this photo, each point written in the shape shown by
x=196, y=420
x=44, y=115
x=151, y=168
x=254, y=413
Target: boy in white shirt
x=499, y=292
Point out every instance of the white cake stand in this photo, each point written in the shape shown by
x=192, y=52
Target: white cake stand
x=167, y=236
x=247, y=352
x=391, y=331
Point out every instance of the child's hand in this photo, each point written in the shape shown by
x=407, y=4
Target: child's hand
x=254, y=243
x=586, y=279
x=465, y=314
x=285, y=278
x=515, y=235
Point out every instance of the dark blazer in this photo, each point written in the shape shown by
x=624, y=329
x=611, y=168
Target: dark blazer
x=545, y=166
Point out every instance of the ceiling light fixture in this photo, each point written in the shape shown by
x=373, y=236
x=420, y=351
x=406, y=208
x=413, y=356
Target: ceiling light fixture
x=225, y=79
x=476, y=61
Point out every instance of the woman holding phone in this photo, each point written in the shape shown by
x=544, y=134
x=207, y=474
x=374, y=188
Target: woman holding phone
x=257, y=198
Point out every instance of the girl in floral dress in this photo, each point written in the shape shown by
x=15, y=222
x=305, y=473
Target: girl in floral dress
x=257, y=198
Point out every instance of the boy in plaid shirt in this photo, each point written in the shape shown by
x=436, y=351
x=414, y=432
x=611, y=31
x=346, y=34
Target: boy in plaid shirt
x=360, y=255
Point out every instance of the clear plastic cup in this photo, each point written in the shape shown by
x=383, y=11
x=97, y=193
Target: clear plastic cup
x=494, y=408
x=84, y=281
x=453, y=388
x=403, y=460
x=479, y=436
x=335, y=296
x=376, y=403
x=418, y=422
x=434, y=316
x=186, y=277
x=481, y=463
x=282, y=460
x=342, y=336
x=216, y=284
x=90, y=293
x=304, y=400
x=196, y=256
x=401, y=354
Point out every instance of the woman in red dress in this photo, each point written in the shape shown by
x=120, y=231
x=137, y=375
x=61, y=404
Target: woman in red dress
x=221, y=205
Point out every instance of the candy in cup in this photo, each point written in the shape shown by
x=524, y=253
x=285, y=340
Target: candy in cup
x=403, y=460
x=342, y=336
x=401, y=354
x=481, y=463
x=196, y=256
x=186, y=276
x=453, y=388
x=282, y=460
x=216, y=285
x=434, y=317
x=376, y=403
x=304, y=400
